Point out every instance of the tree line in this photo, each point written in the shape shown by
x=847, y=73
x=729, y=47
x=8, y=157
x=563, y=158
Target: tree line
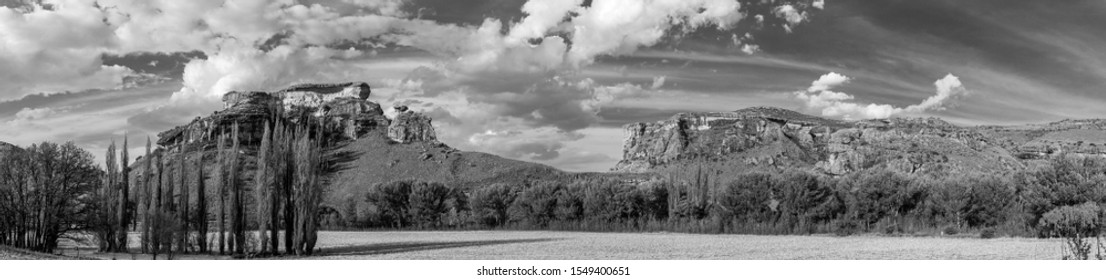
x=178, y=202
x=788, y=201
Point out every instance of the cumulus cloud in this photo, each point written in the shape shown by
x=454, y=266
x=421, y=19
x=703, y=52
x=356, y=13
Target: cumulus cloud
x=839, y=104
x=791, y=15
x=828, y=81
x=497, y=79
x=54, y=50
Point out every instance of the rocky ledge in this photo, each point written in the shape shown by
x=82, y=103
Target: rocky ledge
x=343, y=106
x=773, y=137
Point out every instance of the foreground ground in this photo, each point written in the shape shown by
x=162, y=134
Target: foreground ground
x=10, y=253
x=583, y=245
x=404, y=245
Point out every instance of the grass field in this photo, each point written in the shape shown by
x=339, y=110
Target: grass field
x=511, y=245
x=584, y=245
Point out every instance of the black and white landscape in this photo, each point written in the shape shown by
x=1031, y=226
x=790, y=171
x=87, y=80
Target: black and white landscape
x=552, y=129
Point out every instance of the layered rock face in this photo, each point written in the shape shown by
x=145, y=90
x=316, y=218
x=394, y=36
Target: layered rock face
x=772, y=137
x=342, y=106
x=409, y=127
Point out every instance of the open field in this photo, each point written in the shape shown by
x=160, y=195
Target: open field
x=510, y=245
x=586, y=245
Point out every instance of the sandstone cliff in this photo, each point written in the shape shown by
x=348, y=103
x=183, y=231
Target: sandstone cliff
x=775, y=138
x=369, y=148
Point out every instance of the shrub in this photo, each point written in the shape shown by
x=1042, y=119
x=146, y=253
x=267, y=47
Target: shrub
x=845, y=227
x=892, y=229
x=950, y=230
x=987, y=233
x=1075, y=224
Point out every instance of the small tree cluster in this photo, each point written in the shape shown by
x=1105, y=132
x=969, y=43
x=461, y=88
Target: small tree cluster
x=46, y=193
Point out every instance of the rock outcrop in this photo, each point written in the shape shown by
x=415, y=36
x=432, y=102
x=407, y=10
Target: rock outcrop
x=344, y=107
x=773, y=138
x=410, y=126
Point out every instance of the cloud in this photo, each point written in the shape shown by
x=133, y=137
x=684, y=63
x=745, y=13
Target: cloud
x=253, y=69
x=839, y=104
x=492, y=80
x=658, y=82
x=828, y=81
x=819, y=4
x=540, y=144
x=54, y=49
x=948, y=88
x=791, y=15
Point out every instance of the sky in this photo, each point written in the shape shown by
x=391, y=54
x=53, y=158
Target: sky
x=548, y=81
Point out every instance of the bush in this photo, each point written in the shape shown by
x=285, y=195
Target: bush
x=845, y=227
x=892, y=229
x=950, y=230
x=987, y=233
x=1075, y=224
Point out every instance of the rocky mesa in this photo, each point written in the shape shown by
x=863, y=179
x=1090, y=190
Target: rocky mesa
x=764, y=137
x=368, y=147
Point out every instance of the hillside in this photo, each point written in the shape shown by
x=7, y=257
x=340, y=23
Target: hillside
x=367, y=147
x=6, y=147
x=773, y=138
x=374, y=159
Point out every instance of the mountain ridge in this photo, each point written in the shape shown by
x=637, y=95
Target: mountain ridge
x=769, y=137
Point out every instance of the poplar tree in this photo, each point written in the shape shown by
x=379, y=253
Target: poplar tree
x=201, y=203
x=263, y=181
x=124, y=199
x=182, y=204
x=106, y=215
x=238, y=223
x=220, y=182
x=144, y=197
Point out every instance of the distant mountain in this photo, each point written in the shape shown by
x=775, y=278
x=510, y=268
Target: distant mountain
x=772, y=138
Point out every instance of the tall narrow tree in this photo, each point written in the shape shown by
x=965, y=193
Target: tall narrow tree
x=220, y=181
x=263, y=181
x=238, y=224
x=182, y=204
x=157, y=228
x=201, y=203
x=144, y=197
x=277, y=164
x=108, y=202
x=124, y=199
